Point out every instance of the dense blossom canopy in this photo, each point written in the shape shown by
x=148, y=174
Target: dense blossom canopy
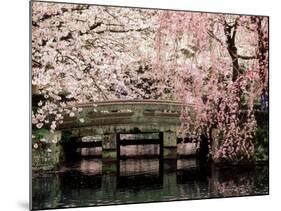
x=217, y=63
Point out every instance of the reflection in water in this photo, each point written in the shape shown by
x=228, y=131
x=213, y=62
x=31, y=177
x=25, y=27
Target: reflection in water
x=90, y=151
x=187, y=164
x=91, y=166
x=228, y=184
x=139, y=167
x=140, y=150
x=186, y=149
x=93, y=182
x=137, y=174
x=84, y=166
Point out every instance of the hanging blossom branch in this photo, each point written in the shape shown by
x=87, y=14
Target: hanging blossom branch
x=211, y=83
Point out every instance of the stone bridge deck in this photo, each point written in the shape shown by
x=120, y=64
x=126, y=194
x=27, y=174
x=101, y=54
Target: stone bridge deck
x=124, y=117
x=112, y=118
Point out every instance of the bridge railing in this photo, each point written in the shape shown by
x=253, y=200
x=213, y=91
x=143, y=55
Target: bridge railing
x=123, y=105
x=124, y=111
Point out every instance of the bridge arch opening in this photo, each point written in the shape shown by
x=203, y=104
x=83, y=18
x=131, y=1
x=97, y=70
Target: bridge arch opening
x=83, y=147
x=139, y=145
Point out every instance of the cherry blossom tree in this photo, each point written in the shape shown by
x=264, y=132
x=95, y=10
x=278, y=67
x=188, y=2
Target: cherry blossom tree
x=82, y=53
x=220, y=66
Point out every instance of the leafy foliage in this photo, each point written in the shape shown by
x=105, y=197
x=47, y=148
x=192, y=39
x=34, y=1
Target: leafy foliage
x=40, y=133
x=262, y=143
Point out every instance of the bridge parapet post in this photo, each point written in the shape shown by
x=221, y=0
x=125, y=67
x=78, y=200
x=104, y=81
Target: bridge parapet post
x=170, y=145
x=109, y=146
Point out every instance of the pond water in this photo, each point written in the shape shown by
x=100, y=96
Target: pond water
x=92, y=182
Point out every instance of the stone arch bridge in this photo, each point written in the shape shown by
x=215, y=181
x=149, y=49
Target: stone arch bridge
x=112, y=119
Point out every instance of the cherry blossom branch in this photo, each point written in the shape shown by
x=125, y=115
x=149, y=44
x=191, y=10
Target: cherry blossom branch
x=121, y=31
x=212, y=35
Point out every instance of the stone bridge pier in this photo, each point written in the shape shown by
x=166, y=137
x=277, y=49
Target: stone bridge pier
x=111, y=143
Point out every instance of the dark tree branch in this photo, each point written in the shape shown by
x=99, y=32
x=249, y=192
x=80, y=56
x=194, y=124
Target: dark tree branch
x=106, y=10
x=71, y=59
x=36, y=64
x=234, y=29
x=246, y=57
x=98, y=87
x=48, y=16
x=35, y=24
x=230, y=33
x=212, y=35
x=80, y=8
x=262, y=50
x=95, y=25
x=63, y=10
x=67, y=37
x=120, y=31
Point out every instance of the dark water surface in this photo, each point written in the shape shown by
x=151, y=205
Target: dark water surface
x=91, y=182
